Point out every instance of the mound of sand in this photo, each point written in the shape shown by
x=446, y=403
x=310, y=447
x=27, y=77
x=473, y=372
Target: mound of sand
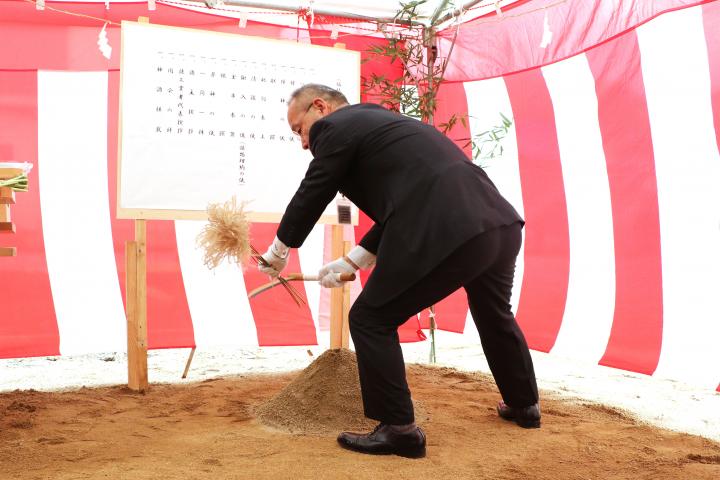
x=323, y=399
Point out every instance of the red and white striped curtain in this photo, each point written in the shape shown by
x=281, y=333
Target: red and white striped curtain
x=612, y=159
x=64, y=292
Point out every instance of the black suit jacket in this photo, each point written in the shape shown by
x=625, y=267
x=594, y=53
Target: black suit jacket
x=419, y=188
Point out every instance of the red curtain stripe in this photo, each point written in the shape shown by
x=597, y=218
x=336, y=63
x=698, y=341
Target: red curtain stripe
x=547, y=244
x=28, y=325
x=627, y=142
x=711, y=21
x=277, y=319
x=169, y=324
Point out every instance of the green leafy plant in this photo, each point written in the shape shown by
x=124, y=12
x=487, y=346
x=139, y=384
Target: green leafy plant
x=485, y=145
x=414, y=92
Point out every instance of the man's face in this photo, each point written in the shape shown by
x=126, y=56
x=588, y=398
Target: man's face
x=302, y=113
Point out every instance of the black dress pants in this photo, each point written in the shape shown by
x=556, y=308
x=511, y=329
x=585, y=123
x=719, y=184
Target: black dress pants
x=484, y=266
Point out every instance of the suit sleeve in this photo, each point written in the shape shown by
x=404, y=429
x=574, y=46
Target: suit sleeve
x=333, y=152
x=371, y=240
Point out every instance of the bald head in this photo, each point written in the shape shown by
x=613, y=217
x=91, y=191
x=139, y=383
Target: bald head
x=315, y=90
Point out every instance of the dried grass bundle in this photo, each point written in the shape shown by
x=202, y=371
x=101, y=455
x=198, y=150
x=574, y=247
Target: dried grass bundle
x=226, y=235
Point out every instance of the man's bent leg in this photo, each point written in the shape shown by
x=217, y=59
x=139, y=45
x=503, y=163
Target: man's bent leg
x=385, y=393
x=502, y=340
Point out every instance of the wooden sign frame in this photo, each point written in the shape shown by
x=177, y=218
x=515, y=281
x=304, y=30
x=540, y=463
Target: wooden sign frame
x=136, y=266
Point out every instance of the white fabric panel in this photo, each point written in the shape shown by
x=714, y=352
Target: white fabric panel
x=589, y=307
x=311, y=259
x=72, y=151
x=217, y=298
x=677, y=85
x=486, y=100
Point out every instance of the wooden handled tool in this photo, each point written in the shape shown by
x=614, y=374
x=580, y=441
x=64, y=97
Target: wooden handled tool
x=296, y=277
x=343, y=277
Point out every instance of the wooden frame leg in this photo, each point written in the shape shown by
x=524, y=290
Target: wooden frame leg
x=336, y=294
x=136, y=291
x=345, y=329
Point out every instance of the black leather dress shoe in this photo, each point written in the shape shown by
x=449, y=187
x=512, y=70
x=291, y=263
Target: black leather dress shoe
x=526, y=417
x=384, y=441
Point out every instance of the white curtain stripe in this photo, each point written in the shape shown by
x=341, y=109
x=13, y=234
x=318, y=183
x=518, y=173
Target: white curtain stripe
x=589, y=308
x=486, y=100
x=677, y=84
x=217, y=298
x=72, y=153
x=311, y=259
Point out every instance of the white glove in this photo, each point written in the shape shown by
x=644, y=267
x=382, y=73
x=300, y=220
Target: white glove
x=276, y=258
x=329, y=274
x=357, y=258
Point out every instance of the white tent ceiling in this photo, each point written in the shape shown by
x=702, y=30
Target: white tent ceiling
x=370, y=9
x=382, y=11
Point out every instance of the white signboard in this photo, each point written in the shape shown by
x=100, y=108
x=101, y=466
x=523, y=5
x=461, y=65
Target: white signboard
x=203, y=118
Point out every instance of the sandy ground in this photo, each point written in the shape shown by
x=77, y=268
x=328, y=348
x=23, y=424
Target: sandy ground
x=207, y=426
x=208, y=430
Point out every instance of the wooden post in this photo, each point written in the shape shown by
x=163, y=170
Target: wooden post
x=345, y=329
x=337, y=297
x=336, y=294
x=7, y=195
x=338, y=339
x=4, y=213
x=136, y=291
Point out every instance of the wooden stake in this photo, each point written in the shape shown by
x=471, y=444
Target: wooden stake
x=4, y=213
x=345, y=340
x=136, y=290
x=131, y=310
x=336, y=294
x=189, y=361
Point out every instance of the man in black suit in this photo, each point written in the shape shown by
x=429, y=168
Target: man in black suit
x=440, y=224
